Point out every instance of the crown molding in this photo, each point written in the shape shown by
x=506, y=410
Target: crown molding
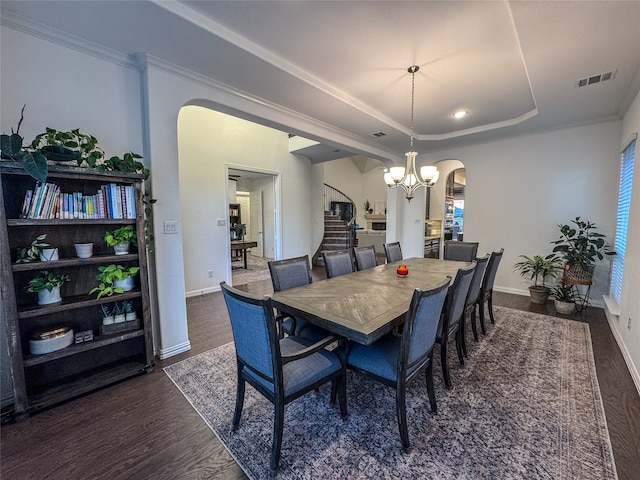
x=17, y=22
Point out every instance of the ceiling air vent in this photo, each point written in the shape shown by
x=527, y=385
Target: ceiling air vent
x=600, y=77
x=379, y=134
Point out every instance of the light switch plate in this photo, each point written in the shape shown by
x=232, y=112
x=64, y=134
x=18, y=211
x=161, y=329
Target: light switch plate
x=170, y=226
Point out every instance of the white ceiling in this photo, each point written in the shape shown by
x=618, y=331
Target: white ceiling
x=512, y=65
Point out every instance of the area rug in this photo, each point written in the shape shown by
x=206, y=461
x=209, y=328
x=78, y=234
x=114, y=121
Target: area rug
x=526, y=405
x=257, y=270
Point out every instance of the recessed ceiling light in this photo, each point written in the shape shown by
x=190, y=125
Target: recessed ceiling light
x=460, y=113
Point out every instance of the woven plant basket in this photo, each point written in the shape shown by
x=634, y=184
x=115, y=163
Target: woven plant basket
x=575, y=274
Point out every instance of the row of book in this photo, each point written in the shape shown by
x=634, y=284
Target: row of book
x=47, y=201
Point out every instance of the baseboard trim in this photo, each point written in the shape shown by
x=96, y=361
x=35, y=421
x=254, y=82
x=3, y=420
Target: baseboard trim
x=202, y=291
x=613, y=322
x=175, y=350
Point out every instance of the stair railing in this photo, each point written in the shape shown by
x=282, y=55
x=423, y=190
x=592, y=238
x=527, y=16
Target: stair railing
x=338, y=203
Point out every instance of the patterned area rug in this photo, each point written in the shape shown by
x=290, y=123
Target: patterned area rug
x=257, y=269
x=525, y=406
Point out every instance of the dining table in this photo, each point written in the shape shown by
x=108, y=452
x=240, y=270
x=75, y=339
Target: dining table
x=365, y=305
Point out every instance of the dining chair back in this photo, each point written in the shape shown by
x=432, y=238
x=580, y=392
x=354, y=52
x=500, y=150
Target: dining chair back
x=472, y=299
x=290, y=273
x=451, y=318
x=281, y=369
x=337, y=262
x=460, y=251
x=365, y=257
x=398, y=360
x=486, y=289
x=393, y=252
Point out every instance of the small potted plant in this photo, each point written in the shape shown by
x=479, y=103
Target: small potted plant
x=564, y=298
x=33, y=161
x=34, y=251
x=120, y=239
x=118, y=313
x=580, y=245
x=60, y=146
x=130, y=313
x=114, y=279
x=47, y=285
x=539, y=268
x=107, y=314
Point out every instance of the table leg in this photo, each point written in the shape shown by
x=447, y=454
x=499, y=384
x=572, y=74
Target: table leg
x=244, y=256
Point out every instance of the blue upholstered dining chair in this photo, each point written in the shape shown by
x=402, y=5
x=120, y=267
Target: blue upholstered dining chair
x=393, y=252
x=398, y=360
x=365, y=257
x=486, y=289
x=460, y=251
x=281, y=369
x=472, y=299
x=451, y=320
x=290, y=273
x=337, y=262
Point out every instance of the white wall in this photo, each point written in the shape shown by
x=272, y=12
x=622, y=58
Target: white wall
x=519, y=189
x=629, y=338
x=209, y=140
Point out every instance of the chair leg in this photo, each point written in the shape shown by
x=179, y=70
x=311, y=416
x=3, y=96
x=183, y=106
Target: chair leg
x=463, y=328
x=278, y=426
x=342, y=393
x=430, y=390
x=401, y=410
x=458, y=340
x=445, y=365
x=239, y=401
x=490, y=305
x=481, y=306
x=474, y=328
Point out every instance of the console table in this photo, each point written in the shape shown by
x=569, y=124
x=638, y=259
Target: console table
x=243, y=246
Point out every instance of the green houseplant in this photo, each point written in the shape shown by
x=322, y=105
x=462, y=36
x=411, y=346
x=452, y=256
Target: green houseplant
x=47, y=285
x=32, y=252
x=120, y=238
x=539, y=268
x=580, y=245
x=72, y=145
x=33, y=162
x=113, y=279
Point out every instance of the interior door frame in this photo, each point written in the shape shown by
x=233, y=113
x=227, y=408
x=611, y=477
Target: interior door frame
x=277, y=218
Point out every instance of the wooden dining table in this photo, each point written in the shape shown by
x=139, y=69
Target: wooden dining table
x=363, y=306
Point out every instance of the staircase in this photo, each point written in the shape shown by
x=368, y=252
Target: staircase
x=337, y=236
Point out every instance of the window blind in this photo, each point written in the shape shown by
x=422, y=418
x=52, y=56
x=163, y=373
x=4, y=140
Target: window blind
x=624, y=204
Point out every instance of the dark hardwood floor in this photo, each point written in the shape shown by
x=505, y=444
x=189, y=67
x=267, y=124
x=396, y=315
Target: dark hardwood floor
x=144, y=428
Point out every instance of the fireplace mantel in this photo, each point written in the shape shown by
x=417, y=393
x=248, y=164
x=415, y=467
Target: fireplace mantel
x=374, y=218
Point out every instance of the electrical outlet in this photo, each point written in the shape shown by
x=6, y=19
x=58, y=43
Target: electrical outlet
x=170, y=226
x=629, y=324
x=210, y=273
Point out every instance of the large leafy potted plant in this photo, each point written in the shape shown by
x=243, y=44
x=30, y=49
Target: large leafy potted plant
x=120, y=239
x=579, y=246
x=72, y=145
x=33, y=161
x=539, y=268
x=114, y=279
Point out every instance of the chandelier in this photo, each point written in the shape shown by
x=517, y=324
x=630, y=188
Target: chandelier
x=408, y=177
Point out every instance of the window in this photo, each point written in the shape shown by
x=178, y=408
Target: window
x=624, y=203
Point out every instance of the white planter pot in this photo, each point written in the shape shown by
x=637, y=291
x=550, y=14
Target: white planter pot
x=565, y=308
x=49, y=254
x=121, y=248
x=84, y=250
x=46, y=297
x=125, y=284
x=130, y=317
x=119, y=318
x=108, y=320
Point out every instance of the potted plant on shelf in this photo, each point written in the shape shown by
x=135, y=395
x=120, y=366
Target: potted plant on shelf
x=107, y=314
x=70, y=146
x=33, y=161
x=114, y=279
x=121, y=239
x=32, y=252
x=130, y=313
x=47, y=285
x=580, y=245
x=539, y=267
x=564, y=298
